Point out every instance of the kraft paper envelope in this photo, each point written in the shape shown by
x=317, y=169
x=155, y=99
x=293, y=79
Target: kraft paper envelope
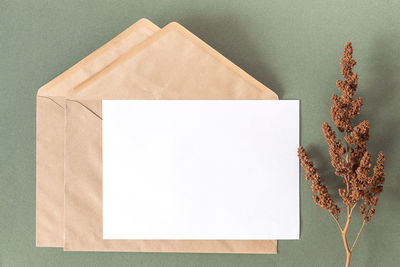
x=50, y=131
x=172, y=64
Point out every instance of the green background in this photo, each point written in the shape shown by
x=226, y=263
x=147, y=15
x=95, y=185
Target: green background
x=291, y=46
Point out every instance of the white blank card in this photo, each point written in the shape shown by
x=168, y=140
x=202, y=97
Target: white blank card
x=207, y=169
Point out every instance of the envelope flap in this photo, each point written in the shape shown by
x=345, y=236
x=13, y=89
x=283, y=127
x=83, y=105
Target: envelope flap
x=63, y=84
x=167, y=62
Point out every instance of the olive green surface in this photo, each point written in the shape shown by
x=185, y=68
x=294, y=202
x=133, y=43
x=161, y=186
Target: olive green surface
x=291, y=46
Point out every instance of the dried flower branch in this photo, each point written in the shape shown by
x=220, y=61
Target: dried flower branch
x=352, y=162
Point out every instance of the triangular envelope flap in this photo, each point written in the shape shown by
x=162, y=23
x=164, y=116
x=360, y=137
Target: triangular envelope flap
x=173, y=64
x=63, y=84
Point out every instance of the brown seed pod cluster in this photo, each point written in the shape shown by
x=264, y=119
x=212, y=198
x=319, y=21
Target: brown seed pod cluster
x=322, y=197
x=351, y=160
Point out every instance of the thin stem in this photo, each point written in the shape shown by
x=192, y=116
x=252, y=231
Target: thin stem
x=337, y=221
x=352, y=208
x=358, y=235
x=348, y=259
x=344, y=233
x=344, y=237
x=347, y=179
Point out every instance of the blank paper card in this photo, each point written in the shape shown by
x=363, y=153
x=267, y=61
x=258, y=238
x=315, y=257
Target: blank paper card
x=200, y=169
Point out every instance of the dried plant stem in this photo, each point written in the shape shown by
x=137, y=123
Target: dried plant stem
x=358, y=235
x=348, y=259
x=337, y=221
x=344, y=236
x=344, y=230
x=349, y=212
x=352, y=161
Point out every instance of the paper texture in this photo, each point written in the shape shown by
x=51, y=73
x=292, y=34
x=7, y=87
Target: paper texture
x=201, y=170
x=172, y=64
x=50, y=103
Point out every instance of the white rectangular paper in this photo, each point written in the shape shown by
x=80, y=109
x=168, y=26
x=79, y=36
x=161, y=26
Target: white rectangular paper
x=200, y=169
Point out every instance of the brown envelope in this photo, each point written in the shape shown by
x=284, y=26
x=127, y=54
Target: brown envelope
x=50, y=131
x=172, y=64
